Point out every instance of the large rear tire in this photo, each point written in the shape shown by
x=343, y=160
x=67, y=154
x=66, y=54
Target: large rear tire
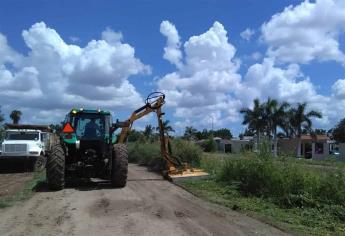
x=119, y=168
x=56, y=168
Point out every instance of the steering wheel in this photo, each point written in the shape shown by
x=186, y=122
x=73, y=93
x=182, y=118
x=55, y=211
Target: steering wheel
x=152, y=99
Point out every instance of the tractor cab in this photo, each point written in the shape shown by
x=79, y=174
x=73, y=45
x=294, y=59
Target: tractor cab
x=87, y=125
x=86, y=134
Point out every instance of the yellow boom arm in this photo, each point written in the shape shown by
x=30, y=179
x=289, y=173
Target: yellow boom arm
x=154, y=103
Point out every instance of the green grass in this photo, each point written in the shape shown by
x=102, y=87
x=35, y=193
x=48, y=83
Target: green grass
x=304, y=197
x=300, y=221
x=25, y=193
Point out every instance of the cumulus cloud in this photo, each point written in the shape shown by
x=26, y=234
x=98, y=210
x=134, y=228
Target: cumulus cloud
x=306, y=32
x=201, y=87
x=247, y=34
x=338, y=89
x=56, y=75
x=267, y=80
x=172, y=51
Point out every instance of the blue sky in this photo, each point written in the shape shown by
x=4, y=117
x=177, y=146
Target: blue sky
x=79, y=22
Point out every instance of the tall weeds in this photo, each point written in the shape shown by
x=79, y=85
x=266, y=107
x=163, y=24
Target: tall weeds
x=285, y=182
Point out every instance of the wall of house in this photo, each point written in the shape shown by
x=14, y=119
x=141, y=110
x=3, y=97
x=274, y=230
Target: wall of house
x=324, y=154
x=238, y=145
x=288, y=146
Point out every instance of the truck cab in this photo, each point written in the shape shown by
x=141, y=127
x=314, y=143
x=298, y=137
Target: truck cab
x=23, y=143
x=29, y=143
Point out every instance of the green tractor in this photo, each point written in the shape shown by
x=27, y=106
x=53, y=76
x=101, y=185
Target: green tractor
x=90, y=148
x=87, y=148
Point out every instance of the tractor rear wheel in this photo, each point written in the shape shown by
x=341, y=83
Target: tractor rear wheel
x=119, y=168
x=56, y=168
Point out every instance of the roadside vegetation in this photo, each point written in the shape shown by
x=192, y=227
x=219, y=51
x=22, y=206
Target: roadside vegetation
x=148, y=153
x=280, y=191
x=304, y=197
x=286, y=192
x=26, y=191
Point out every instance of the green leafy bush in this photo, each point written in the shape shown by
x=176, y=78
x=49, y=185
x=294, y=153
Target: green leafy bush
x=285, y=183
x=143, y=153
x=209, y=145
x=147, y=153
x=187, y=152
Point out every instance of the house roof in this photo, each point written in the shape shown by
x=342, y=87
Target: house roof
x=308, y=137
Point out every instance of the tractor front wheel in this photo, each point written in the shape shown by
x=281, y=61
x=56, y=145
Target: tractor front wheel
x=119, y=167
x=56, y=168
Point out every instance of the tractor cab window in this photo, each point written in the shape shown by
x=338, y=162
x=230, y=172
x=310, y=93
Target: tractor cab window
x=89, y=126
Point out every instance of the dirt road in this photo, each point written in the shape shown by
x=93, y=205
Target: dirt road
x=147, y=206
x=13, y=176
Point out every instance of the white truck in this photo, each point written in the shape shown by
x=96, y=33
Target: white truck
x=29, y=142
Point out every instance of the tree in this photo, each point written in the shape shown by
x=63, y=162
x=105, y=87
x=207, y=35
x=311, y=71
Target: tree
x=166, y=127
x=320, y=131
x=274, y=114
x=134, y=136
x=2, y=118
x=254, y=118
x=1, y=127
x=190, y=133
x=57, y=128
x=204, y=134
x=148, y=131
x=301, y=119
x=247, y=132
x=15, y=116
x=223, y=133
x=338, y=132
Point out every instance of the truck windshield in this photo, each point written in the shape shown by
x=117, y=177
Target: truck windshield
x=22, y=136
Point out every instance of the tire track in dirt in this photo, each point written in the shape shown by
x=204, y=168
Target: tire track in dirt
x=148, y=205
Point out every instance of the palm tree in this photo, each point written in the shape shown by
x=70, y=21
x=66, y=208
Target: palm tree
x=255, y=118
x=190, y=132
x=274, y=114
x=286, y=124
x=300, y=119
x=148, y=131
x=1, y=116
x=167, y=128
x=15, y=116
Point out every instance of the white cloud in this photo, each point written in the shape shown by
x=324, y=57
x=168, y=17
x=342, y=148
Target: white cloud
x=247, y=34
x=7, y=54
x=266, y=80
x=288, y=83
x=338, y=89
x=202, y=86
x=57, y=76
x=256, y=56
x=172, y=51
x=306, y=32
x=74, y=39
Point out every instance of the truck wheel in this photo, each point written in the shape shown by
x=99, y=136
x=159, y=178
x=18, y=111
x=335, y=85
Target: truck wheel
x=56, y=168
x=39, y=164
x=119, y=168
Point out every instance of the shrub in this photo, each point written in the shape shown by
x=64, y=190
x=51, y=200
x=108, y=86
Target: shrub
x=209, y=145
x=285, y=183
x=149, y=154
x=143, y=153
x=187, y=152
